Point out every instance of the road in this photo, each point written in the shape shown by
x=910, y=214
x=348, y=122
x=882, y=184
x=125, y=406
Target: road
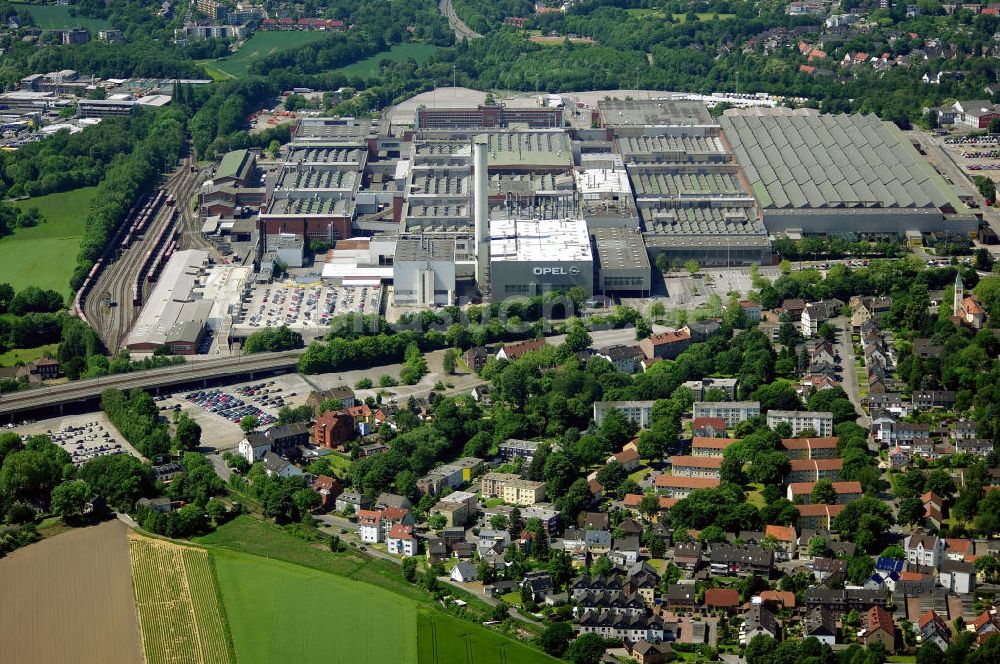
x=849, y=376
x=333, y=523
x=462, y=31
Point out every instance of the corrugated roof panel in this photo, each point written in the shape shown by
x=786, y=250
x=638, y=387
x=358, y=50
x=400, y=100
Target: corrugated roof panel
x=899, y=194
x=846, y=193
x=812, y=194
x=795, y=195
x=829, y=192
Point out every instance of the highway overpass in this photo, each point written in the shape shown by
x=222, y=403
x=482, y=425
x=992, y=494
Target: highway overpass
x=84, y=395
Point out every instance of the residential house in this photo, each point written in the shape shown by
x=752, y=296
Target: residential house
x=515, y=351
x=628, y=458
x=985, y=626
x=328, y=488
x=637, y=412
x=253, y=447
x=687, y=555
x=821, y=422
x=513, y=449
x=700, y=388
x=710, y=446
x=457, y=507
x=625, y=551
x=816, y=313
x=846, y=491
x=696, y=466
x=665, y=345
x=708, y=427
x=476, y=358
x=785, y=538
x=647, y=652
x=333, y=428
x=965, y=430
x=968, y=310
x=681, y=487
x=343, y=394
x=352, y=499
x=923, y=548
x=741, y=560
x=756, y=621
x=721, y=599
x=813, y=470
x=752, y=310
x=957, y=576
x=820, y=624
x=539, y=585
x=817, y=517
x=932, y=628
x=623, y=358
x=732, y=412
x=621, y=626
x=928, y=399
x=436, y=550
x=275, y=465
x=825, y=568
x=400, y=541
x=810, y=448
x=680, y=596
x=879, y=628
x=464, y=572
x=702, y=330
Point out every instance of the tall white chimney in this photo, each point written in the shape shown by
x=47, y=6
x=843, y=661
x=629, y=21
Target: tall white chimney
x=481, y=207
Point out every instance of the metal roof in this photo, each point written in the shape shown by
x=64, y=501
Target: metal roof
x=831, y=161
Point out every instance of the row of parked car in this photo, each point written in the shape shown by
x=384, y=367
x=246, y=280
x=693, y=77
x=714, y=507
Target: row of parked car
x=228, y=406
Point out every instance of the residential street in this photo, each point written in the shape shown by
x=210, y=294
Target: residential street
x=849, y=377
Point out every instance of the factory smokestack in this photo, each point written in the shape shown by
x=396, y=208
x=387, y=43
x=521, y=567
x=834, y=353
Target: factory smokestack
x=481, y=208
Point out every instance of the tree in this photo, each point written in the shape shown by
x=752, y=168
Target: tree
x=437, y=521
x=273, y=148
x=586, y=649
x=187, y=434
x=649, y=507
x=450, y=362
x=823, y=493
x=769, y=468
x=940, y=482
x=69, y=499
x=817, y=546
x=410, y=569
x=249, y=423
x=577, y=336
x=692, y=267
x=498, y=522
x=555, y=639
x=611, y=476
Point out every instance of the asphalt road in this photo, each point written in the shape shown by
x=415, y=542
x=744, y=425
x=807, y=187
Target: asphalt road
x=849, y=375
x=457, y=25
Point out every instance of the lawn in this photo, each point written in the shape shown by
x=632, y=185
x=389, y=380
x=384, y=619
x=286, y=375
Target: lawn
x=45, y=255
x=260, y=44
x=12, y=357
x=398, y=53
x=57, y=17
x=705, y=16
x=345, y=603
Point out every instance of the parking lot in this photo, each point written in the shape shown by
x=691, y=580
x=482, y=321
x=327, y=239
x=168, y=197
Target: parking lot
x=84, y=437
x=232, y=408
x=304, y=306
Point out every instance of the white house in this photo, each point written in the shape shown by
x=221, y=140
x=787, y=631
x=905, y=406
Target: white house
x=400, y=540
x=464, y=572
x=253, y=447
x=923, y=548
x=275, y=465
x=957, y=576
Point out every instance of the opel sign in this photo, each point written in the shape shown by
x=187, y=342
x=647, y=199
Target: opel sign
x=542, y=271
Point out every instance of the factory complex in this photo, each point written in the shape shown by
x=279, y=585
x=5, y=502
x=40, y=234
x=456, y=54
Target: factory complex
x=489, y=203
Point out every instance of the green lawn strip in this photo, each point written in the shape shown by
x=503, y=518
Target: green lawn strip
x=398, y=53
x=12, y=357
x=248, y=535
x=279, y=611
x=57, y=17
x=260, y=44
x=43, y=255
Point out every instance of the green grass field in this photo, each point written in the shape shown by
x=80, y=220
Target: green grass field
x=259, y=45
x=56, y=17
x=346, y=603
x=656, y=13
x=45, y=255
x=398, y=53
x=12, y=357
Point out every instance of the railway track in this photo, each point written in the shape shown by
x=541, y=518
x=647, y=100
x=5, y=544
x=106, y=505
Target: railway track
x=109, y=306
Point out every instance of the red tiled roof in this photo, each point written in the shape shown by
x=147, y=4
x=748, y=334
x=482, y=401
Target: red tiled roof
x=819, y=510
x=958, y=545
x=926, y=618
x=395, y=513
x=879, y=618
x=780, y=533
x=688, y=461
x=674, y=482
x=632, y=499
x=399, y=531
x=783, y=597
x=666, y=503
x=802, y=488
x=930, y=496
x=809, y=443
x=722, y=597
x=704, y=443
x=816, y=464
x=514, y=351
x=669, y=337
x=626, y=456
x=701, y=422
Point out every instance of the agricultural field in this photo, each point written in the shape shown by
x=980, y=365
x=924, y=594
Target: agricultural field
x=360, y=596
x=398, y=53
x=57, y=17
x=260, y=44
x=69, y=599
x=26, y=255
x=182, y=622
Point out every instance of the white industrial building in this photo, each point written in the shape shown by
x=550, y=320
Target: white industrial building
x=532, y=256
x=174, y=315
x=423, y=272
